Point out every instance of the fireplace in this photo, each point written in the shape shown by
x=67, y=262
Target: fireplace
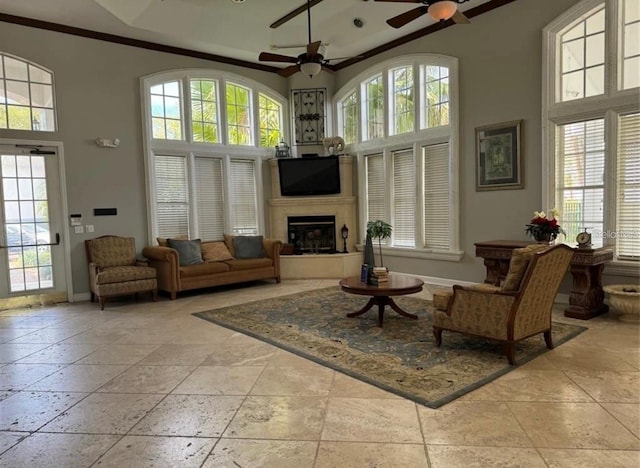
x=312, y=234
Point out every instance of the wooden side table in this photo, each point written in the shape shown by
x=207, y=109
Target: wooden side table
x=586, y=299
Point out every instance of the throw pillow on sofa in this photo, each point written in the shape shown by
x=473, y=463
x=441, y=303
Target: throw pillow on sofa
x=248, y=247
x=215, y=252
x=189, y=251
x=162, y=241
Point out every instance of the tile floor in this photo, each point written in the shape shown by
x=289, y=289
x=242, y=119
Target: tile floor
x=142, y=384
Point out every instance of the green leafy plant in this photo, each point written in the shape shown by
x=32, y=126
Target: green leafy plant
x=380, y=230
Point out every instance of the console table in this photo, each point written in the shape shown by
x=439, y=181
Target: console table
x=586, y=299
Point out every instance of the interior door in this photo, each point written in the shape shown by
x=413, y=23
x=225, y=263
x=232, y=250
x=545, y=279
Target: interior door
x=32, y=264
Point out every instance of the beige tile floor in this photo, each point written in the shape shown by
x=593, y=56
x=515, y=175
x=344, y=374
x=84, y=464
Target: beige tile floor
x=142, y=384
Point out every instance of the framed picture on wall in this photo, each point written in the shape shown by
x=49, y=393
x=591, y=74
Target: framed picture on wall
x=499, y=156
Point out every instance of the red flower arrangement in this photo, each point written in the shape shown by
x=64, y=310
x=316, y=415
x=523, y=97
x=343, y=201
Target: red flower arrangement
x=542, y=228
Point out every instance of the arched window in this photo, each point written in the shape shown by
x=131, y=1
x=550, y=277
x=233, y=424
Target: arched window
x=207, y=134
x=26, y=96
x=400, y=118
x=590, y=105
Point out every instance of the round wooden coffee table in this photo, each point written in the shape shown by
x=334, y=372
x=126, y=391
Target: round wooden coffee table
x=398, y=285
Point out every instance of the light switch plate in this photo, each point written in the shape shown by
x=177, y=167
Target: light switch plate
x=89, y=227
x=79, y=229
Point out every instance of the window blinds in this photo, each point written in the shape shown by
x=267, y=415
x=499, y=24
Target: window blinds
x=210, y=198
x=437, y=210
x=375, y=187
x=242, y=184
x=627, y=236
x=580, y=178
x=172, y=208
x=404, y=198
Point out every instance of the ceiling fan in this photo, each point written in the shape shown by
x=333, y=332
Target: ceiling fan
x=310, y=62
x=439, y=10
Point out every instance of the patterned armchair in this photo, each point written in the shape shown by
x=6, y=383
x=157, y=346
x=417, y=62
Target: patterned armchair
x=115, y=271
x=508, y=315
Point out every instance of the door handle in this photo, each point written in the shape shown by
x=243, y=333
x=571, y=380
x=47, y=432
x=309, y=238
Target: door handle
x=57, y=242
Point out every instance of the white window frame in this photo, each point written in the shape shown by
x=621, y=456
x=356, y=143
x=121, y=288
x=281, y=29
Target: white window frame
x=30, y=106
x=608, y=106
x=190, y=149
x=417, y=139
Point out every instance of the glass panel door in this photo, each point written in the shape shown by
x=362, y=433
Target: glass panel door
x=31, y=251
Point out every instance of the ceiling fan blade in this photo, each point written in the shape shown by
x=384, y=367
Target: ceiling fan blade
x=271, y=57
x=292, y=70
x=312, y=49
x=459, y=18
x=343, y=58
x=327, y=69
x=400, y=1
x=407, y=17
x=294, y=13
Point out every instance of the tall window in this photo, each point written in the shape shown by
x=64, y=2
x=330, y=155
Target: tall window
x=270, y=121
x=238, y=115
x=349, y=114
x=631, y=44
x=403, y=100
x=26, y=96
x=166, y=116
x=436, y=96
x=374, y=102
x=407, y=151
x=205, y=152
x=592, y=111
x=583, y=57
x=204, y=111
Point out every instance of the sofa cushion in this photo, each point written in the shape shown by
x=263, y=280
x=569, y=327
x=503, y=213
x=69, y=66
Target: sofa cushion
x=248, y=247
x=203, y=269
x=162, y=241
x=215, y=252
x=249, y=263
x=189, y=251
x=228, y=241
x=520, y=259
x=121, y=274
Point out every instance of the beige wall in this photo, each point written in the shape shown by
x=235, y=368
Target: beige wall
x=98, y=95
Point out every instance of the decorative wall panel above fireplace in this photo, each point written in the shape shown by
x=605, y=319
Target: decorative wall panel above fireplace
x=309, y=115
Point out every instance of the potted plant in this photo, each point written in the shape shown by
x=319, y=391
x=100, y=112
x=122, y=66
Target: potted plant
x=380, y=230
x=543, y=228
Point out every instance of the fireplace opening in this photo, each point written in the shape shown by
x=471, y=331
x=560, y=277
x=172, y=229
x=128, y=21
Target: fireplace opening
x=312, y=234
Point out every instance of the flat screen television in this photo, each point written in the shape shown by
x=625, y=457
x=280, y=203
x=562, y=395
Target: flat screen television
x=309, y=176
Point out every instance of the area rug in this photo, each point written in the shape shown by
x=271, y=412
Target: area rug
x=401, y=357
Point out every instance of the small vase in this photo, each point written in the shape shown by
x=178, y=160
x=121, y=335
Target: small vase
x=543, y=238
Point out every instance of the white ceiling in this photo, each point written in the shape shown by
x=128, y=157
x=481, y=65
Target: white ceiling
x=230, y=29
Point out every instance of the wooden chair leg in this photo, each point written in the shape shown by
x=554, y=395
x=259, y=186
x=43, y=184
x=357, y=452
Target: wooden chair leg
x=509, y=350
x=154, y=295
x=101, y=301
x=437, y=333
x=548, y=339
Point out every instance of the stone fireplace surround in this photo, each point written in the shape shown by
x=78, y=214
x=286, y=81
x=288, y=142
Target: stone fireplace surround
x=341, y=206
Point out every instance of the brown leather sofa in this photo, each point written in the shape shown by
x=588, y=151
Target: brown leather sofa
x=174, y=278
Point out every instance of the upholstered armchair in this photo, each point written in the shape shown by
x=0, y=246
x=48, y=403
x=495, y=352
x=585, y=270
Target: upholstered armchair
x=519, y=309
x=115, y=271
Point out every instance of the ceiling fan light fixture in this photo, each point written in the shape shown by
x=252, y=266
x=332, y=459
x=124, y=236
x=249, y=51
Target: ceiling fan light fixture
x=310, y=68
x=442, y=10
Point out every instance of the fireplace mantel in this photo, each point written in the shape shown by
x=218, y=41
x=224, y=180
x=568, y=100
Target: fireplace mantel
x=342, y=205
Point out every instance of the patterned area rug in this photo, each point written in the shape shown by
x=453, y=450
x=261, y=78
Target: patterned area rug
x=400, y=357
